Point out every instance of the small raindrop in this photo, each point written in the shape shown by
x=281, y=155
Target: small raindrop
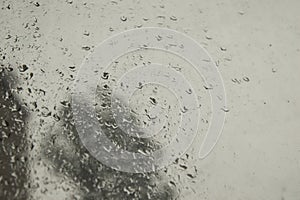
x=45, y=112
x=86, y=33
x=87, y=48
x=123, y=18
x=8, y=37
x=225, y=109
x=208, y=37
x=207, y=88
x=172, y=183
x=191, y=175
x=173, y=18
x=34, y=104
x=56, y=117
x=223, y=48
x=159, y=38
x=65, y=103
x=235, y=80
x=189, y=91
x=246, y=79
x=183, y=166
x=184, y=109
x=105, y=86
x=23, y=68
x=105, y=75
x=153, y=101
x=37, y=4
x=241, y=12
x=140, y=86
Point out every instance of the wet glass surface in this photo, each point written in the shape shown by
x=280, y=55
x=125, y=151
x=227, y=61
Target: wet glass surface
x=14, y=149
x=254, y=45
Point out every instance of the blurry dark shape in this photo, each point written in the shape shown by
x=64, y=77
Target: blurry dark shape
x=96, y=180
x=13, y=143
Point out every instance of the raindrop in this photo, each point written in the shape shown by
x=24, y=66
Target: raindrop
x=23, y=68
x=207, y=88
x=173, y=18
x=8, y=37
x=246, y=79
x=184, y=109
x=86, y=33
x=105, y=86
x=189, y=91
x=223, y=48
x=105, y=75
x=37, y=4
x=159, y=38
x=190, y=175
x=225, y=109
x=183, y=166
x=241, y=12
x=34, y=104
x=87, y=48
x=140, y=86
x=172, y=183
x=56, y=117
x=65, y=103
x=153, y=101
x=235, y=80
x=45, y=112
x=123, y=18
x=208, y=37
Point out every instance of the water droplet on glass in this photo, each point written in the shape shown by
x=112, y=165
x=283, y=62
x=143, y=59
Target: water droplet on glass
x=173, y=18
x=23, y=68
x=123, y=18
